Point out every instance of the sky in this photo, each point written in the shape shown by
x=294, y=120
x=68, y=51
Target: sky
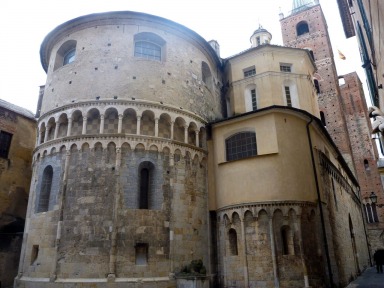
x=25, y=23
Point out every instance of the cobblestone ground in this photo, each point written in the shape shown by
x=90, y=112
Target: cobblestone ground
x=369, y=279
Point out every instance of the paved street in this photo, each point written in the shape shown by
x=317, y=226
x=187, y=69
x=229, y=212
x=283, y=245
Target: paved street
x=369, y=279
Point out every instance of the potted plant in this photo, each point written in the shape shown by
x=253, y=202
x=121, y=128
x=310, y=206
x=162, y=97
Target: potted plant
x=193, y=275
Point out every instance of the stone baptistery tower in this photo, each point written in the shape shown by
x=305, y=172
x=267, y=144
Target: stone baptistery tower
x=119, y=188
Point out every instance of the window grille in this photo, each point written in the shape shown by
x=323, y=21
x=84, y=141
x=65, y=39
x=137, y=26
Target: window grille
x=241, y=145
x=147, y=50
x=288, y=96
x=254, y=100
x=285, y=68
x=249, y=72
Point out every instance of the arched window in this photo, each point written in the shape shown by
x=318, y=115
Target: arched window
x=287, y=240
x=368, y=211
x=241, y=145
x=374, y=213
x=69, y=57
x=317, y=86
x=66, y=54
x=206, y=75
x=366, y=165
x=322, y=118
x=232, y=237
x=312, y=55
x=302, y=28
x=284, y=236
x=144, y=188
x=149, y=46
x=146, y=183
x=371, y=213
x=45, y=190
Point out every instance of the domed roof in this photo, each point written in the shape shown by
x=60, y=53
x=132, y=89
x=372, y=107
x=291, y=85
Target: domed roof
x=261, y=30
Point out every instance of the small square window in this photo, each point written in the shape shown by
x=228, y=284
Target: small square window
x=250, y=71
x=285, y=67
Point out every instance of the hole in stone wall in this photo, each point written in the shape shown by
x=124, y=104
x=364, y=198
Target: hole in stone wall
x=35, y=253
x=141, y=250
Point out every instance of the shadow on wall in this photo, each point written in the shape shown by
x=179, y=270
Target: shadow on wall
x=11, y=236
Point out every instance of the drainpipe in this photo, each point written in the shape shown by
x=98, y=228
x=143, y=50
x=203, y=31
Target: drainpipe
x=320, y=205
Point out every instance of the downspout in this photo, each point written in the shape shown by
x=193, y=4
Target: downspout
x=320, y=206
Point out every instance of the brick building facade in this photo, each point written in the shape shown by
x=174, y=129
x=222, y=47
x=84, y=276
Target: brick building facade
x=343, y=104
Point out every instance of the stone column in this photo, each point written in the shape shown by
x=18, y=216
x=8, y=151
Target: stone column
x=186, y=134
x=156, y=127
x=138, y=125
x=46, y=133
x=197, y=138
x=245, y=260
x=39, y=137
x=85, y=119
x=113, y=228
x=57, y=127
x=273, y=250
x=305, y=270
x=223, y=232
x=172, y=123
x=120, y=124
x=171, y=159
x=69, y=129
x=101, y=123
x=61, y=198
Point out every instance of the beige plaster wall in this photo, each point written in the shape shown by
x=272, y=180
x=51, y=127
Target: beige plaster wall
x=270, y=81
x=281, y=170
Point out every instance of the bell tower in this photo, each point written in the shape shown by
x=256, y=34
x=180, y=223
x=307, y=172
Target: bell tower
x=305, y=27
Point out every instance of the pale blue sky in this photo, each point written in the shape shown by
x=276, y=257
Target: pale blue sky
x=25, y=23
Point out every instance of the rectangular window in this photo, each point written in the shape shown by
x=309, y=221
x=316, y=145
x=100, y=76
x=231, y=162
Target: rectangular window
x=285, y=67
x=5, y=143
x=141, y=253
x=288, y=96
x=248, y=72
x=258, y=40
x=254, y=102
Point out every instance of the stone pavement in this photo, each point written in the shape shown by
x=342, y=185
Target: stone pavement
x=368, y=279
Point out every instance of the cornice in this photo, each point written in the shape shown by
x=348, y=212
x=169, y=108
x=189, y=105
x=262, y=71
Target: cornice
x=118, y=139
x=127, y=104
x=264, y=204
